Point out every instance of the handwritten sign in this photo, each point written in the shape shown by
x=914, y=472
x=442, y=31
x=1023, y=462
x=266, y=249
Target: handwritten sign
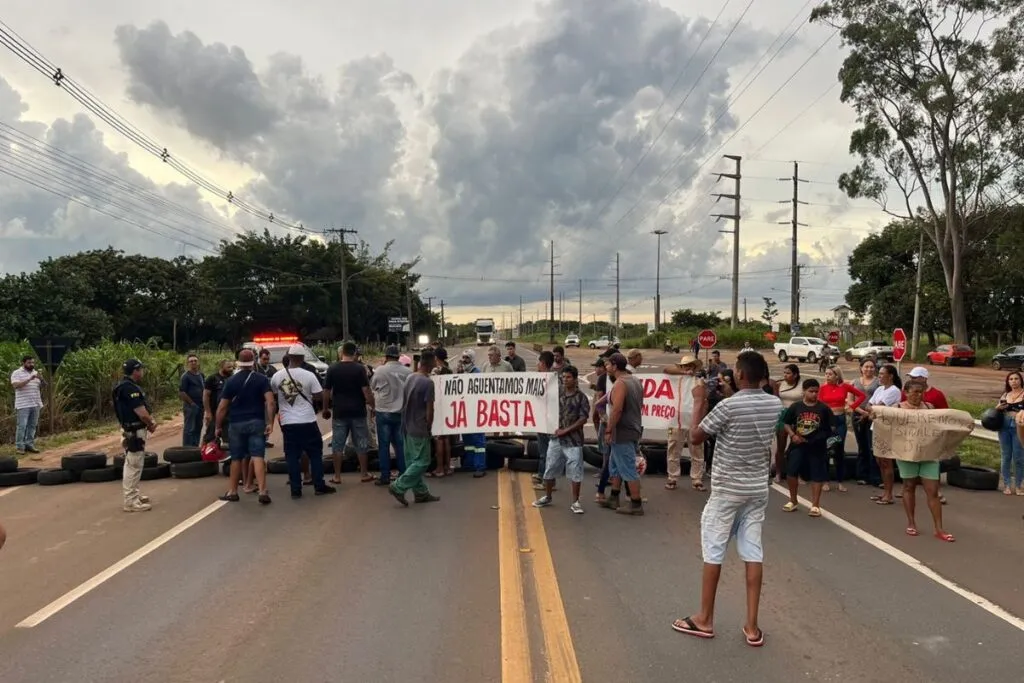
x=668, y=400
x=919, y=435
x=488, y=403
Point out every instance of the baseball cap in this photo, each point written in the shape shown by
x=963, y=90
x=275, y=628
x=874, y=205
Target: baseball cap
x=441, y=352
x=919, y=371
x=392, y=352
x=296, y=350
x=403, y=359
x=469, y=353
x=131, y=365
x=618, y=360
x=246, y=357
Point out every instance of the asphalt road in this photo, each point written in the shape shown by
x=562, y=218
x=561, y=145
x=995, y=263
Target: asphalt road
x=482, y=587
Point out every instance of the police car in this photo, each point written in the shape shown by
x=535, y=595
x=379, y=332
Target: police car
x=278, y=345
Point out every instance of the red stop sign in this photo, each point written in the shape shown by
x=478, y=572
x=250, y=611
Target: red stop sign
x=899, y=344
x=833, y=336
x=707, y=339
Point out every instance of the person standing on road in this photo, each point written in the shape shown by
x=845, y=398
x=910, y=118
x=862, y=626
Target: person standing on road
x=297, y=390
x=264, y=367
x=476, y=444
x=190, y=389
x=623, y=432
x=745, y=428
x=442, y=444
x=371, y=411
x=136, y=420
x=715, y=365
x=417, y=420
x=1011, y=403
x=388, y=386
x=495, y=363
x=513, y=358
x=887, y=394
x=212, y=388
x=545, y=363
x=924, y=473
x=842, y=398
x=868, y=473
x=246, y=407
x=28, y=401
x=688, y=365
x=347, y=395
x=808, y=425
x=565, y=450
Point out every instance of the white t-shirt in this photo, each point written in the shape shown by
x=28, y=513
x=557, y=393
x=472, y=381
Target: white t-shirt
x=29, y=395
x=295, y=395
x=886, y=396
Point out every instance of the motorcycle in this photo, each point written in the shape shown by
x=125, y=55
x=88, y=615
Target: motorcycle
x=670, y=347
x=829, y=357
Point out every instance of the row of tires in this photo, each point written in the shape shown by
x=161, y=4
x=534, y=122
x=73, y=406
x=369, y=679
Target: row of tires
x=92, y=468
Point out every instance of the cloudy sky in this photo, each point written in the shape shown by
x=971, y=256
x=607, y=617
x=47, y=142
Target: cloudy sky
x=471, y=133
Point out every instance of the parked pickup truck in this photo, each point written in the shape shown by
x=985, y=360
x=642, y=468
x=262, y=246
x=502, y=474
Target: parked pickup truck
x=875, y=348
x=800, y=348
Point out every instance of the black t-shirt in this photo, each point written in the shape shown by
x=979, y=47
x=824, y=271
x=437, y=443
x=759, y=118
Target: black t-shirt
x=127, y=397
x=215, y=384
x=345, y=380
x=812, y=422
x=517, y=363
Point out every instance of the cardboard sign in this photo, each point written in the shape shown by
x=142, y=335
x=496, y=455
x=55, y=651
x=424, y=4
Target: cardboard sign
x=488, y=403
x=919, y=435
x=668, y=400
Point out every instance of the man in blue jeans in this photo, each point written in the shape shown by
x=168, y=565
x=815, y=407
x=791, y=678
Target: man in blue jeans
x=190, y=389
x=27, y=404
x=388, y=386
x=545, y=362
x=247, y=399
x=475, y=444
x=297, y=390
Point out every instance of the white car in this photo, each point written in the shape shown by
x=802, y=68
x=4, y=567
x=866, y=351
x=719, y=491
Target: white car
x=604, y=342
x=572, y=340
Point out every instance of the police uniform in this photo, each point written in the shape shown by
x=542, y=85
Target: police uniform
x=128, y=396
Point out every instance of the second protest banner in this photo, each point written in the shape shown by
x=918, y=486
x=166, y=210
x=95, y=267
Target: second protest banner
x=495, y=402
x=668, y=400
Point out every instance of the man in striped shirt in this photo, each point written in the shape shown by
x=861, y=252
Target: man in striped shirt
x=744, y=425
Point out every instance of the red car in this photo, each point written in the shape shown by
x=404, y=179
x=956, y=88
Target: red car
x=952, y=354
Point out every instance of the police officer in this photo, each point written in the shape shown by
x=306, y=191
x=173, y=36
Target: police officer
x=133, y=413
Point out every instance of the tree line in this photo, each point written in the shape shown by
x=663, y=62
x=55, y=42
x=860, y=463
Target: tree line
x=254, y=283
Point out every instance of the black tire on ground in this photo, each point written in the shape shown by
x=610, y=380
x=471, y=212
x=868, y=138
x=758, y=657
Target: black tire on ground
x=194, y=470
x=592, y=456
x=79, y=462
x=8, y=464
x=277, y=466
x=55, y=477
x=21, y=477
x=973, y=478
x=657, y=459
x=161, y=471
x=850, y=465
x=495, y=460
x=151, y=460
x=101, y=475
x=532, y=450
x=180, y=454
x=505, y=448
x=950, y=464
x=225, y=468
x=522, y=465
x=783, y=356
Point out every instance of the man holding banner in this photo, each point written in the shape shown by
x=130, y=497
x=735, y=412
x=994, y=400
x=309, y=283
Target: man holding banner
x=475, y=444
x=565, y=448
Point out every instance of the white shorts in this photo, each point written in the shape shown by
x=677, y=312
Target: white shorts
x=567, y=458
x=727, y=516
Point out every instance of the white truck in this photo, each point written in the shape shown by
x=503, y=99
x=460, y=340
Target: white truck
x=803, y=349
x=484, y=328
x=876, y=349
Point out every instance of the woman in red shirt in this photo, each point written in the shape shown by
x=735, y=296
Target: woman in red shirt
x=835, y=393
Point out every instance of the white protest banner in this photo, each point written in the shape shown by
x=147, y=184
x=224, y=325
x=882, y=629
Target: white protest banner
x=488, y=403
x=668, y=400
x=918, y=435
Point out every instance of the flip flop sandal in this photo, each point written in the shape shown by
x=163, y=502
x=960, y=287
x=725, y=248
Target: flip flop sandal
x=755, y=641
x=814, y=512
x=691, y=629
x=670, y=485
x=911, y=531
x=698, y=487
x=367, y=478
x=790, y=507
x=948, y=538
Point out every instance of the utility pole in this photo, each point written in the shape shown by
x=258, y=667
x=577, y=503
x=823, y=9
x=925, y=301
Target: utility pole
x=744, y=309
x=618, y=313
x=551, y=294
x=442, y=322
x=341, y=232
x=794, y=286
x=735, y=217
x=657, y=282
x=916, y=332
x=581, y=309
x=408, y=309
x=520, y=314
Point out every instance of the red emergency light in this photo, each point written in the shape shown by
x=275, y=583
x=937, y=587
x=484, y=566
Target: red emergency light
x=275, y=339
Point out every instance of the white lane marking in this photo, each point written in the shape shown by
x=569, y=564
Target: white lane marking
x=8, y=491
x=115, y=569
x=913, y=563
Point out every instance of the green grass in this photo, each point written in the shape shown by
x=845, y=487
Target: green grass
x=980, y=453
x=972, y=407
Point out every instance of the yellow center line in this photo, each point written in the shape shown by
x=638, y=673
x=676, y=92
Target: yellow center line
x=561, y=655
x=516, y=666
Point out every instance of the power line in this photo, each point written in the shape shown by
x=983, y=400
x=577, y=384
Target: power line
x=24, y=51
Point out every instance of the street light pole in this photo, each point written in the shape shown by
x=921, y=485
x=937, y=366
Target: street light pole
x=657, y=283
